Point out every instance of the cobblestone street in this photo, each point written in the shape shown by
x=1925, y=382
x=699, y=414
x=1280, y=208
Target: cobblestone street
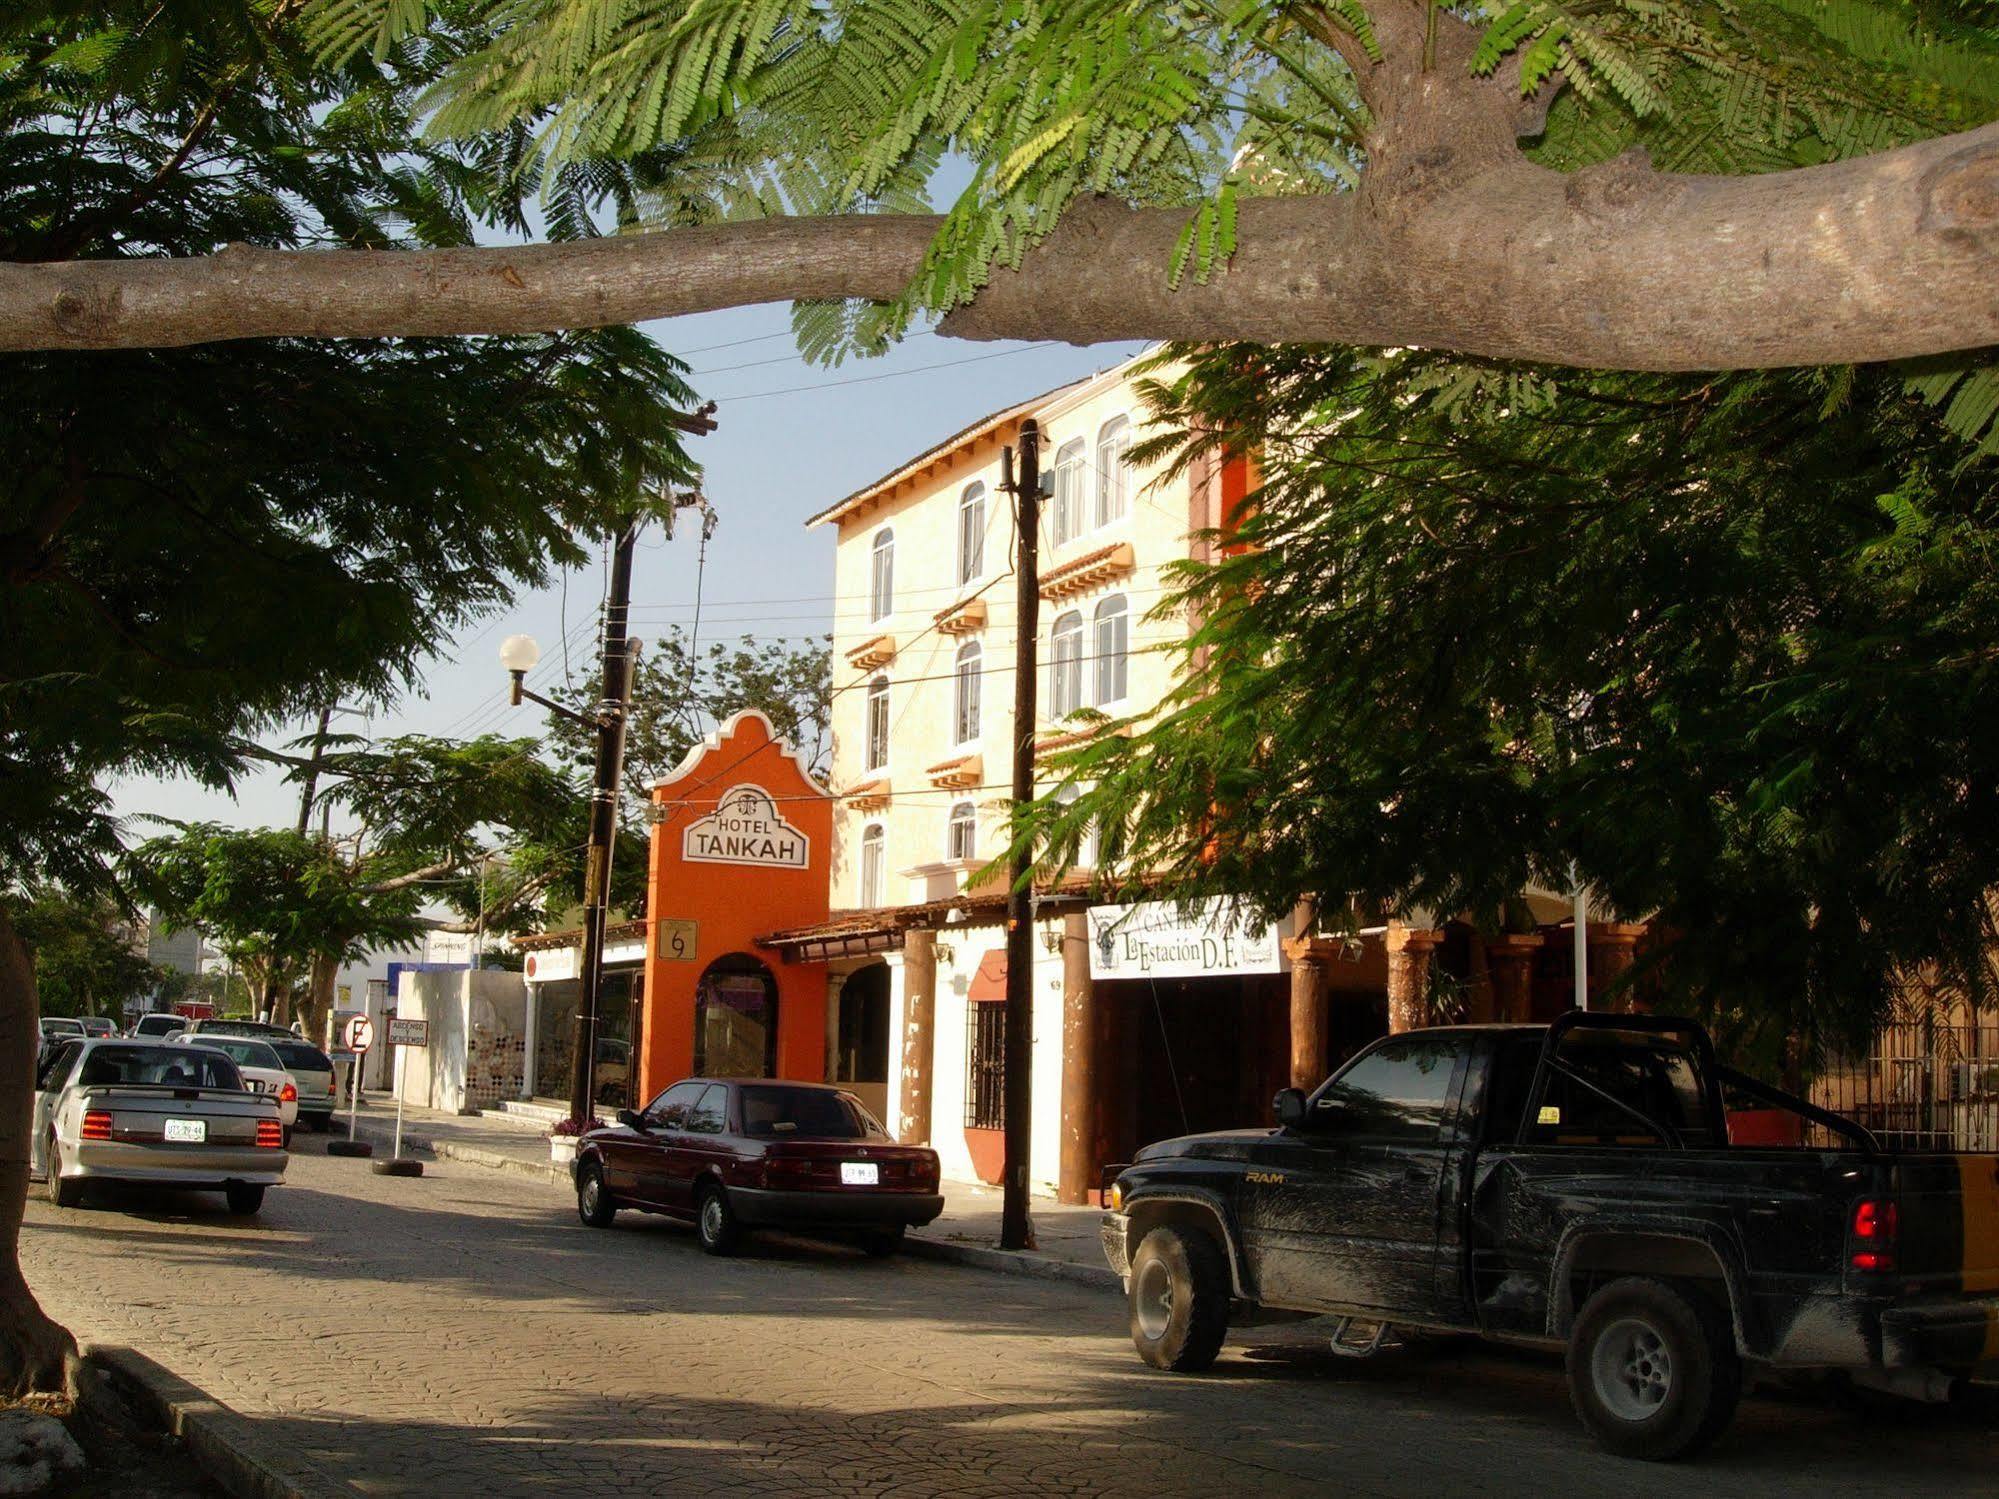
x=462, y=1334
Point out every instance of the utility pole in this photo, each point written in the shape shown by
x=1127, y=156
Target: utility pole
x=611, y=713
x=1016, y=1232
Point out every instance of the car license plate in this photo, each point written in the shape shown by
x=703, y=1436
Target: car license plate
x=187, y=1131
x=860, y=1174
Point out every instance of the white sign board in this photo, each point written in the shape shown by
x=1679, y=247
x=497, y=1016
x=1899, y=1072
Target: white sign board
x=550, y=966
x=360, y=1033
x=746, y=828
x=1154, y=940
x=408, y=1032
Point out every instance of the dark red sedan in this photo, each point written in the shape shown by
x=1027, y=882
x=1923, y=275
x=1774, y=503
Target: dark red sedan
x=730, y=1155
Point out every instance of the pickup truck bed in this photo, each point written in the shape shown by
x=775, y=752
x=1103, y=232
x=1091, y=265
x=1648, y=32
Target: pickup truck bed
x=1572, y=1186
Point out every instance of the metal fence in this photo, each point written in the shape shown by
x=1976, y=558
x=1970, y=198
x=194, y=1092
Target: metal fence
x=1930, y=1080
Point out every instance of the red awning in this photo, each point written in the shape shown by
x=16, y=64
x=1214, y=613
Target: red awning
x=990, y=981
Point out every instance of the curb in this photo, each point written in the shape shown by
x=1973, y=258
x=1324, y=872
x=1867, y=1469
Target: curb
x=1011, y=1262
x=470, y=1155
x=230, y=1448
x=917, y=1244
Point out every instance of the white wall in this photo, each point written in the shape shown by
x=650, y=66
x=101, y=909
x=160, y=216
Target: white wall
x=462, y=1007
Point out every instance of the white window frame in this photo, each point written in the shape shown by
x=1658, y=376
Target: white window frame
x=1069, y=515
x=972, y=533
x=873, y=889
x=1113, y=473
x=1067, y=666
x=871, y=741
x=1087, y=848
x=968, y=678
x=881, y=575
x=1110, y=674
x=962, y=816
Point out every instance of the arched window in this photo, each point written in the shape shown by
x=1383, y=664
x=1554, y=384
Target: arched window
x=877, y=727
x=1071, y=493
x=971, y=532
x=970, y=663
x=735, y=1019
x=1112, y=633
x=1113, y=477
x=881, y=584
x=874, y=873
x=1065, y=666
x=1086, y=848
x=961, y=839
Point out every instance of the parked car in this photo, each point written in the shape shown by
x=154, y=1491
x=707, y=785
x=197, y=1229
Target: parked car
x=312, y=1070
x=733, y=1155
x=159, y=1023
x=259, y=1028
x=263, y=1070
x=1571, y=1186
x=61, y=1025
x=95, y=1025
x=142, y=1111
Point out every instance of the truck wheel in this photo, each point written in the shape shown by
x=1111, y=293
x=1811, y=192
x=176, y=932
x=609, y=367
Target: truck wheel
x=593, y=1200
x=715, y=1223
x=1653, y=1371
x=1179, y=1300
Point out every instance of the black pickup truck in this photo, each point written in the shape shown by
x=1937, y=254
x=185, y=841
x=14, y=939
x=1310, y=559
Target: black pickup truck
x=1571, y=1186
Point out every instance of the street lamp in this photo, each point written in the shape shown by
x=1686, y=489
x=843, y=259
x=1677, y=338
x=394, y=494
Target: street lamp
x=518, y=653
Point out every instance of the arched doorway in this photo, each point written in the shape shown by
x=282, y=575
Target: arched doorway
x=735, y=1019
x=859, y=1037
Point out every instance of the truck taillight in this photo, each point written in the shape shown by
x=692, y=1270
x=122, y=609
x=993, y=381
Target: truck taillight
x=288, y=1094
x=96, y=1125
x=270, y=1134
x=1874, y=1226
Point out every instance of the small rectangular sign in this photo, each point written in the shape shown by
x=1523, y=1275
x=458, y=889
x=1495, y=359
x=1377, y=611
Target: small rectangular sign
x=409, y=1032
x=187, y=1131
x=675, y=943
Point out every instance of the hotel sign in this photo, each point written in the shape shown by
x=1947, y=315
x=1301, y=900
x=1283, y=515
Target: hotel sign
x=746, y=828
x=1154, y=940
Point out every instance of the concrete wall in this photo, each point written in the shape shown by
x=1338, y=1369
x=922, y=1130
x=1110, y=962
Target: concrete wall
x=477, y=1021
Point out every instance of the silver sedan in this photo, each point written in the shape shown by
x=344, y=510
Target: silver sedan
x=140, y=1111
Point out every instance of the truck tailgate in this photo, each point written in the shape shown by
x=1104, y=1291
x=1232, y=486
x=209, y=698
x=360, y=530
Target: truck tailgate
x=1949, y=1228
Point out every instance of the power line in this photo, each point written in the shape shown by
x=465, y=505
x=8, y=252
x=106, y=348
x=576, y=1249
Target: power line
x=924, y=369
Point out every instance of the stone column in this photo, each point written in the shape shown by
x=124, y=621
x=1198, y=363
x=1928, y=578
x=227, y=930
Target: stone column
x=1311, y=1019
x=1409, y=950
x=1510, y=960
x=919, y=1033
x=835, y=982
x=1612, y=952
x=1076, y=1165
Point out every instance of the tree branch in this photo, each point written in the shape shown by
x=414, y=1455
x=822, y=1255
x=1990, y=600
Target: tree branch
x=1618, y=267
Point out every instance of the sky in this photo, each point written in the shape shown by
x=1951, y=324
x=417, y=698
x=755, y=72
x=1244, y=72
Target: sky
x=792, y=439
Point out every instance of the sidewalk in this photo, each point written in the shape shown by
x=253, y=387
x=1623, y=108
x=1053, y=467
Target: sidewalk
x=967, y=1232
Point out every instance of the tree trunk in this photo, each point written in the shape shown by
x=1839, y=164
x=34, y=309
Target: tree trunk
x=319, y=998
x=1454, y=241
x=35, y=1353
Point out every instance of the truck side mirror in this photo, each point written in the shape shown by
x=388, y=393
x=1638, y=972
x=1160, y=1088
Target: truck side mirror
x=1289, y=1106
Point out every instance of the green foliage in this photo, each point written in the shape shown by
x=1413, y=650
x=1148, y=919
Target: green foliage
x=1725, y=643
x=203, y=543
x=678, y=697
x=88, y=959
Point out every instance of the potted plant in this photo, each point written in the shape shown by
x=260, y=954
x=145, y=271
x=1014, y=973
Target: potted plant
x=562, y=1140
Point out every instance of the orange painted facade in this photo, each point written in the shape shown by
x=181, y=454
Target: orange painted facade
x=741, y=848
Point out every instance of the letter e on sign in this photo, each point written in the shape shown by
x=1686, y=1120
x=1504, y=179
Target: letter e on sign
x=360, y=1033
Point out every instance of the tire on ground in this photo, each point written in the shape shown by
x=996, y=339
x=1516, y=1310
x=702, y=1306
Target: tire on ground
x=64, y=1191
x=1653, y=1371
x=715, y=1222
x=593, y=1200
x=1179, y=1299
x=244, y=1197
